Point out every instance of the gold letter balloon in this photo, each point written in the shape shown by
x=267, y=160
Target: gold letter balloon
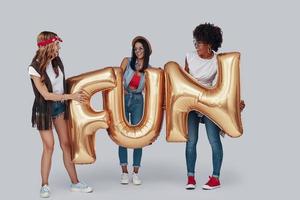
x=220, y=103
x=84, y=121
x=180, y=92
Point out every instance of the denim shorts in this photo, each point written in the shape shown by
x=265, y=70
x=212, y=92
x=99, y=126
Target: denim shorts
x=58, y=108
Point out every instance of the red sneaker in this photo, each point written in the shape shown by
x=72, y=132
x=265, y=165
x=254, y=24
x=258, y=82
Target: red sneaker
x=212, y=183
x=191, y=184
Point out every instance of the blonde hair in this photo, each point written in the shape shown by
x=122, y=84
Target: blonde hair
x=46, y=53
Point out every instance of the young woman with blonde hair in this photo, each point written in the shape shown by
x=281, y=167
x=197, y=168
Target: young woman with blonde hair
x=49, y=108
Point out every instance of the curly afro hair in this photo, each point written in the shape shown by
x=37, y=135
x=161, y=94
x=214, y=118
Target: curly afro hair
x=209, y=34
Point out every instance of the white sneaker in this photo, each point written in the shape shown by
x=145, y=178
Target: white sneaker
x=124, y=178
x=45, y=191
x=81, y=187
x=136, y=180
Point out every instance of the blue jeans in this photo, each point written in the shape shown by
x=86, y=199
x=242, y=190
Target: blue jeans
x=57, y=109
x=134, y=105
x=213, y=135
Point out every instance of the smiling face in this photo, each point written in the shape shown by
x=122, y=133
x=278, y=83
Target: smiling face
x=202, y=48
x=139, y=50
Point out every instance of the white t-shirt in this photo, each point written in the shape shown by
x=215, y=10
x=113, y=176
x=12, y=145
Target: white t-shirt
x=204, y=70
x=56, y=82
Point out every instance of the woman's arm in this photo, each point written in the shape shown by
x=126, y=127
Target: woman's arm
x=124, y=63
x=123, y=66
x=41, y=87
x=186, y=67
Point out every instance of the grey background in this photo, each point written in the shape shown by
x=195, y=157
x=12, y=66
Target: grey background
x=263, y=163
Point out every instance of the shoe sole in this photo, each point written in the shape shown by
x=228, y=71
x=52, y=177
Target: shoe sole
x=124, y=183
x=137, y=183
x=140, y=183
x=206, y=187
x=83, y=191
x=190, y=187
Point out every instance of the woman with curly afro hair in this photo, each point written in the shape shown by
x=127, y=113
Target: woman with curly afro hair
x=202, y=65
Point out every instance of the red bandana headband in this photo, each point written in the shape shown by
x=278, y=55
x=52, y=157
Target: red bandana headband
x=49, y=41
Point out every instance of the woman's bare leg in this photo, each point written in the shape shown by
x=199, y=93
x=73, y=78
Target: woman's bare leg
x=62, y=131
x=48, y=147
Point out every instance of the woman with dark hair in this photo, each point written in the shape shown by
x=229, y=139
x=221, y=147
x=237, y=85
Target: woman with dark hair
x=202, y=65
x=49, y=86
x=134, y=81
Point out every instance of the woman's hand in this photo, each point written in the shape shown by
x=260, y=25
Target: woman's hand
x=242, y=105
x=80, y=97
